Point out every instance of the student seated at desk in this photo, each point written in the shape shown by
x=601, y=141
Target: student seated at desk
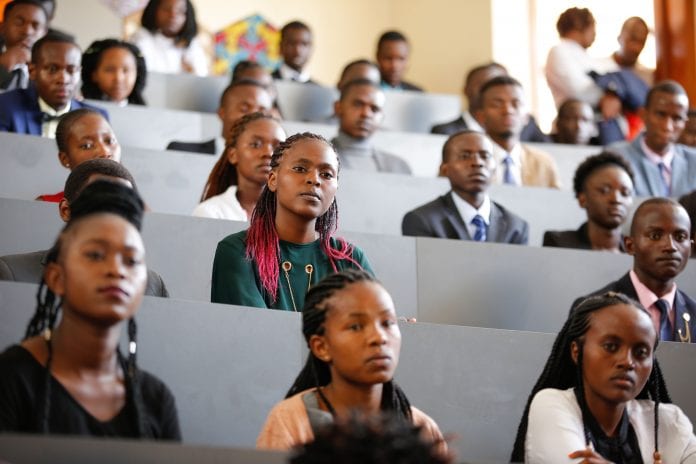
x=392, y=56
x=503, y=114
x=82, y=135
x=603, y=185
x=360, y=111
x=70, y=378
x=350, y=326
x=239, y=98
x=601, y=396
x=24, y=22
x=168, y=40
x=295, y=48
x=28, y=267
x=466, y=212
x=55, y=73
x=238, y=178
x=660, y=243
x=289, y=245
x=114, y=70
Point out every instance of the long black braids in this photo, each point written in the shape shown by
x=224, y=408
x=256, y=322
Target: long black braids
x=561, y=372
x=98, y=197
x=316, y=373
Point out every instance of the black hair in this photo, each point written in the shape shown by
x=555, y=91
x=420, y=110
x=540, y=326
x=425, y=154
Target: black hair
x=15, y=3
x=240, y=83
x=316, y=373
x=574, y=19
x=91, y=59
x=379, y=439
x=653, y=201
x=565, y=106
x=99, y=197
x=561, y=372
x=243, y=66
x=497, y=82
x=451, y=138
x=477, y=69
x=188, y=31
x=667, y=86
x=67, y=120
x=391, y=36
x=77, y=180
x=346, y=88
x=224, y=174
x=293, y=25
x=51, y=37
x=594, y=163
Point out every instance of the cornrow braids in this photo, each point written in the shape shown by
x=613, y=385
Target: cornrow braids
x=224, y=173
x=262, y=244
x=562, y=373
x=316, y=373
x=96, y=201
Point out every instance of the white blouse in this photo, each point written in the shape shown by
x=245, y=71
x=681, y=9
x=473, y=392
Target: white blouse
x=163, y=55
x=555, y=429
x=223, y=206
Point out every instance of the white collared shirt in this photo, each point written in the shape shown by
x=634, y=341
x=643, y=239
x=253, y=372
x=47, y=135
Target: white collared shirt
x=289, y=74
x=48, y=129
x=656, y=159
x=471, y=122
x=468, y=212
x=515, y=168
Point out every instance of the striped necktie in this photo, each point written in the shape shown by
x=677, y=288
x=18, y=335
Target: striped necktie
x=480, y=224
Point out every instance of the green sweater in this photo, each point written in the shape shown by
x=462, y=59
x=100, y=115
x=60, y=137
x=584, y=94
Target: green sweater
x=236, y=279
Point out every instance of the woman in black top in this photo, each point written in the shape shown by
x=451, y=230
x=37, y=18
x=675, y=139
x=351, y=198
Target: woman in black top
x=70, y=377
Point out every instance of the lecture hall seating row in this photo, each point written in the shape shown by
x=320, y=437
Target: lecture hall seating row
x=228, y=365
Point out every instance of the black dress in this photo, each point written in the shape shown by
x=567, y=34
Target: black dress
x=22, y=384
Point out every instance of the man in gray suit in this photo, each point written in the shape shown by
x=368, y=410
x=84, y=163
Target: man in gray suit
x=662, y=167
x=359, y=112
x=467, y=212
x=28, y=267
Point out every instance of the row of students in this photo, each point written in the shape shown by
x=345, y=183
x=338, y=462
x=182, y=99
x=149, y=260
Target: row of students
x=601, y=395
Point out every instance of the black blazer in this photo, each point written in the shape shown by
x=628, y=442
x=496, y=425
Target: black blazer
x=683, y=304
x=530, y=133
x=578, y=239
x=440, y=218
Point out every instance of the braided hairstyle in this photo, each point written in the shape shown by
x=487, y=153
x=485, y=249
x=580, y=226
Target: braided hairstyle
x=91, y=60
x=262, y=244
x=98, y=197
x=316, y=373
x=224, y=173
x=562, y=372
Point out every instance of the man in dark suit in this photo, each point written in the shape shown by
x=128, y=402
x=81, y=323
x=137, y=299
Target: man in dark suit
x=392, y=58
x=55, y=74
x=295, y=47
x=466, y=212
x=662, y=167
x=28, y=267
x=603, y=185
x=660, y=243
x=475, y=79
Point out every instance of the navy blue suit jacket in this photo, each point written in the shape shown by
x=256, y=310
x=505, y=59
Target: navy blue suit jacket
x=20, y=112
x=683, y=304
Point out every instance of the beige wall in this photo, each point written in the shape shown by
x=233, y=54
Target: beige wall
x=448, y=36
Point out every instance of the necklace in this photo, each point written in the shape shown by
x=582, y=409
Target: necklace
x=287, y=267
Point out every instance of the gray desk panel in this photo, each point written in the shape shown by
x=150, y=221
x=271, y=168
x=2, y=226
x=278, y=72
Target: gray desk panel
x=35, y=449
x=181, y=248
x=512, y=287
x=227, y=366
